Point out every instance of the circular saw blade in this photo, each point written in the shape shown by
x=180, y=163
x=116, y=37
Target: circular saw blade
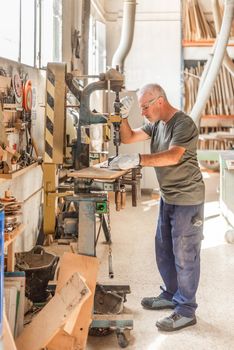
x=17, y=87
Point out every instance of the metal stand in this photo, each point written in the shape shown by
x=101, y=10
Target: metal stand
x=112, y=297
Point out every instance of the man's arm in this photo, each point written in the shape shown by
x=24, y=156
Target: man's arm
x=170, y=157
x=129, y=135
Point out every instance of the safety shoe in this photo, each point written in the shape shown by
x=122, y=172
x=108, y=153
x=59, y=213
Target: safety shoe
x=157, y=303
x=175, y=322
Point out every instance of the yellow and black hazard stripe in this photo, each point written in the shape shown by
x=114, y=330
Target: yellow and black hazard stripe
x=55, y=120
x=49, y=125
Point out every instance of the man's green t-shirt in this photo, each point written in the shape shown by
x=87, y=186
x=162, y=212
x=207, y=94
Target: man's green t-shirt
x=180, y=184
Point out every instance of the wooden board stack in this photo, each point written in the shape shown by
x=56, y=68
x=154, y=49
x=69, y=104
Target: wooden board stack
x=221, y=100
x=13, y=212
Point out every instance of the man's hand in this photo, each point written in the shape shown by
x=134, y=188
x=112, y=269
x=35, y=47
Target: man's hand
x=125, y=161
x=127, y=103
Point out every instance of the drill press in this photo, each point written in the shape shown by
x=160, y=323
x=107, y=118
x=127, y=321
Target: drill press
x=116, y=121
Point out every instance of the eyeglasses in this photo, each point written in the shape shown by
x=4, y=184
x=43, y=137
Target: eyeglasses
x=149, y=103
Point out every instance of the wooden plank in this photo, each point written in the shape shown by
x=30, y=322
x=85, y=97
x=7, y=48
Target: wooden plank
x=210, y=42
x=98, y=173
x=88, y=268
x=18, y=276
x=10, y=295
x=62, y=341
x=8, y=340
x=54, y=315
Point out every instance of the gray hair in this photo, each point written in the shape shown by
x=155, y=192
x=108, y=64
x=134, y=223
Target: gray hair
x=153, y=89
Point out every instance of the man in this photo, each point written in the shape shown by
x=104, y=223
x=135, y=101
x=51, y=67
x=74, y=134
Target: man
x=180, y=224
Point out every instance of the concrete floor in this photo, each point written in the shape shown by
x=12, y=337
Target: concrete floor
x=133, y=232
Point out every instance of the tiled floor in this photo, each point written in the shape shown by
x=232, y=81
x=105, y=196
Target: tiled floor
x=134, y=264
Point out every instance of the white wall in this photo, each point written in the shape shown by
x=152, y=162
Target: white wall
x=155, y=56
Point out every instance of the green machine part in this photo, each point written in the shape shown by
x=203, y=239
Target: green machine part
x=101, y=207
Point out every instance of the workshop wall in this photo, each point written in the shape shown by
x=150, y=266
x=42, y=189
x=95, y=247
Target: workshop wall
x=28, y=187
x=71, y=25
x=155, y=56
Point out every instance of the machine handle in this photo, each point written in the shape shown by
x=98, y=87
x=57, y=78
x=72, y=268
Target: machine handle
x=111, y=272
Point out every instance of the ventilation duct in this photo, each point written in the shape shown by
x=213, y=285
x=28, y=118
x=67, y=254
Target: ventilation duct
x=129, y=12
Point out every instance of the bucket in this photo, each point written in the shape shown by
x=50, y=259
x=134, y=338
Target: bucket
x=1, y=264
x=39, y=267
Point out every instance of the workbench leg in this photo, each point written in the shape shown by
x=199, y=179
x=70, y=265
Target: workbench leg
x=105, y=229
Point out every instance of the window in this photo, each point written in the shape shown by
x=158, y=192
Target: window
x=97, y=47
x=51, y=28
x=28, y=22
x=30, y=31
x=10, y=29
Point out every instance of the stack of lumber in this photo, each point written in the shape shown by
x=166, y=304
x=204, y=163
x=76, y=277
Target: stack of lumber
x=14, y=297
x=12, y=209
x=195, y=25
x=221, y=101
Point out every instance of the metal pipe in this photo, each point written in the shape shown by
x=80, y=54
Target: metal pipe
x=35, y=34
x=86, y=9
x=129, y=12
x=20, y=31
x=39, y=36
x=217, y=21
x=222, y=40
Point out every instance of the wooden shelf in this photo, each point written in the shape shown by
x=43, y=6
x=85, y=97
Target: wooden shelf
x=222, y=120
x=196, y=51
x=17, y=173
x=13, y=235
x=218, y=116
x=9, y=245
x=202, y=43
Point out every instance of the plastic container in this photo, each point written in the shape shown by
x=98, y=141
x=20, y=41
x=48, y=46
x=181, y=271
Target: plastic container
x=1, y=265
x=39, y=267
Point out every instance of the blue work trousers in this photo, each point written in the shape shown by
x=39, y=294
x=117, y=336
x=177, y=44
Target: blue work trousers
x=177, y=246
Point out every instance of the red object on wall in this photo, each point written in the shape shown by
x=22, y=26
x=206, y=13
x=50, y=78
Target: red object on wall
x=27, y=96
